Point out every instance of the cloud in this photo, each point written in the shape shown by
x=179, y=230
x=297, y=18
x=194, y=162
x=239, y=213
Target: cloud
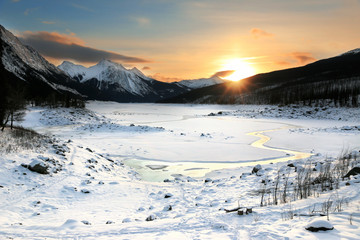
x=302, y=57
x=162, y=78
x=29, y=10
x=52, y=37
x=223, y=73
x=69, y=46
x=141, y=21
x=81, y=7
x=259, y=33
x=48, y=22
x=283, y=63
x=146, y=68
x=15, y=0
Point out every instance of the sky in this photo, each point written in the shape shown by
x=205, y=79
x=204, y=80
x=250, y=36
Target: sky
x=172, y=40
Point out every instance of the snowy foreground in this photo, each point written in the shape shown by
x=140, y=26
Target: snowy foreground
x=148, y=171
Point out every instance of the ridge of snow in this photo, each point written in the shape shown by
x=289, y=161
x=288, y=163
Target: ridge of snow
x=72, y=69
x=202, y=82
x=354, y=51
x=27, y=54
x=107, y=71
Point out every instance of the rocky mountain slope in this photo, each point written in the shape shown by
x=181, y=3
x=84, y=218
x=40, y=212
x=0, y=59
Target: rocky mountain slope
x=24, y=69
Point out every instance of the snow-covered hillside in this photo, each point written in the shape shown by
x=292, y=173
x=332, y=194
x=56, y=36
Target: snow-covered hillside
x=202, y=82
x=17, y=58
x=99, y=163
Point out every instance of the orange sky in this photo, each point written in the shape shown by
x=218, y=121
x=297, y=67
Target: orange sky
x=173, y=40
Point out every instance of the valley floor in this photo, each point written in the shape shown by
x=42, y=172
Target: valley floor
x=108, y=164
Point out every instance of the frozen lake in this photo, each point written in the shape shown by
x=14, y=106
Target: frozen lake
x=164, y=140
x=183, y=139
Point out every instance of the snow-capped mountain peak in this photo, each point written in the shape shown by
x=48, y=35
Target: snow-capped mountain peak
x=108, y=72
x=139, y=73
x=202, y=82
x=72, y=69
x=354, y=51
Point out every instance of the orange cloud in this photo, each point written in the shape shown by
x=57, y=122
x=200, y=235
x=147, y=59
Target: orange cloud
x=146, y=68
x=302, y=57
x=259, y=33
x=53, y=37
x=162, y=78
x=283, y=63
x=48, y=22
x=223, y=73
x=70, y=47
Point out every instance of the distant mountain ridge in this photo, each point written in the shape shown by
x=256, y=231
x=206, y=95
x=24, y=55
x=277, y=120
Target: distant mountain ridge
x=24, y=67
x=202, y=82
x=108, y=80
x=335, y=80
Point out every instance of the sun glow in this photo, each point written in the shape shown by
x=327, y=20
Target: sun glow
x=241, y=69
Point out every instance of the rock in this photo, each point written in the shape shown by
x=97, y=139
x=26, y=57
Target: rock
x=109, y=222
x=291, y=165
x=37, y=166
x=260, y=173
x=152, y=217
x=126, y=220
x=319, y=225
x=208, y=180
x=168, y=195
x=85, y=191
x=256, y=168
x=86, y=222
x=167, y=208
x=352, y=172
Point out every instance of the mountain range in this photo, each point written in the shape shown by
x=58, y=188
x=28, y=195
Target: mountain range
x=334, y=80
x=23, y=66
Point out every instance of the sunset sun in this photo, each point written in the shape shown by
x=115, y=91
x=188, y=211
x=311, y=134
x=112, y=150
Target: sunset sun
x=240, y=68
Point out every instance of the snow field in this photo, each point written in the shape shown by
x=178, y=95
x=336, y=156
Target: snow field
x=96, y=195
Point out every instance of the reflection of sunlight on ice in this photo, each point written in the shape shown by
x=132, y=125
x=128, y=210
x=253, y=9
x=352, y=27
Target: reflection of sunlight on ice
x=200, y=169
x=264, y=139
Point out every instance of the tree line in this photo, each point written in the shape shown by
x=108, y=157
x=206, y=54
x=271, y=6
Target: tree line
x=15, y=97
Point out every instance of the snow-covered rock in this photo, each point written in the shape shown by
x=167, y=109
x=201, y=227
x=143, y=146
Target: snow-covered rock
x=319, y=225
x=38, y=166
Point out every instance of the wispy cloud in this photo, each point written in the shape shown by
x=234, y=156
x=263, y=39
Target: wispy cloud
x=146, y=68
x=81, y=7
x=29, y=10
x=69, y=46
x=162, y=78
x=223, y=73
x=302, y=57
x=141, y=21
x=259, y=33
x=48, y=22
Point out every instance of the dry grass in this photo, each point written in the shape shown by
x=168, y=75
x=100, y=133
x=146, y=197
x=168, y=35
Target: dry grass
x=19, y=139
